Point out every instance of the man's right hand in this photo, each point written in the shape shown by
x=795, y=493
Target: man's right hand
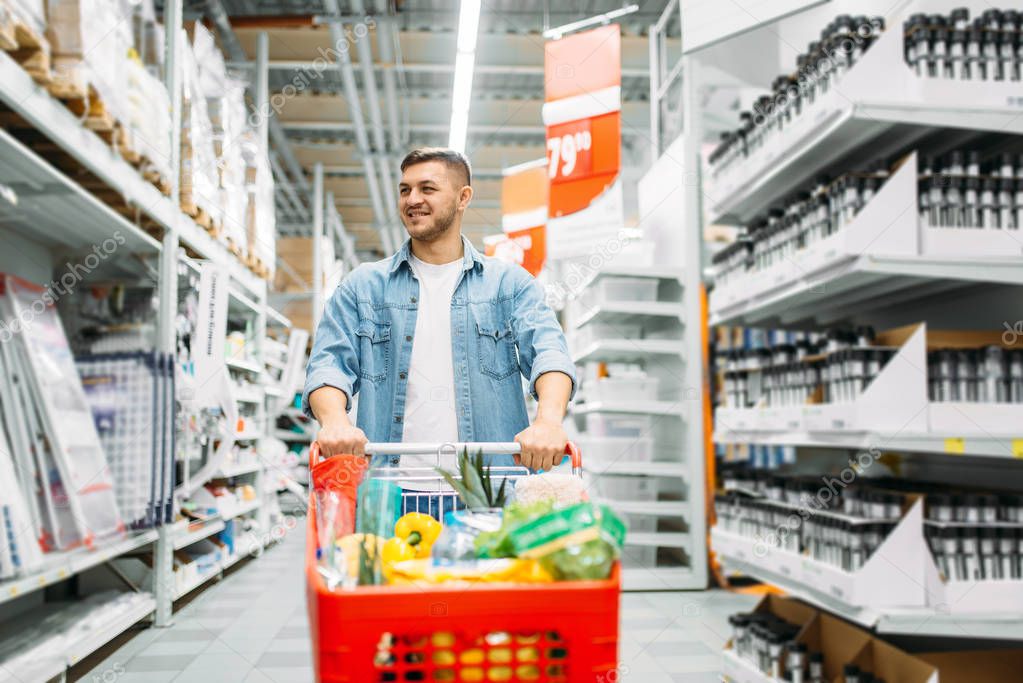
x=338, y=439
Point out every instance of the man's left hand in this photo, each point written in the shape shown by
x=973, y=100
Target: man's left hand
x=543, y=445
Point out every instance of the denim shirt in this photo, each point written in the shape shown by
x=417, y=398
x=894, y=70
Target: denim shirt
x=500, y=326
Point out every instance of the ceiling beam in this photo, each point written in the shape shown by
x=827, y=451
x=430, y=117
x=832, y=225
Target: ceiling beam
x=474, y=128
x=423, y=67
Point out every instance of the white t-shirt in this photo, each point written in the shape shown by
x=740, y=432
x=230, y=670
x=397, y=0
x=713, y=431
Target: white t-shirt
x=430, y=412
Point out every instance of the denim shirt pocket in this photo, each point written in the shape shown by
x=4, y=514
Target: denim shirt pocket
x=374, y=349
x=496, y=347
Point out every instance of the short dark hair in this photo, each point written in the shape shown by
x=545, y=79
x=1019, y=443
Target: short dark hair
x=449, y=157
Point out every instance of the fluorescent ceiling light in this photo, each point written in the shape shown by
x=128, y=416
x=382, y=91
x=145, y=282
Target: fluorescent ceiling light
x=465, y=62
x=605, y=18
x=468, y=25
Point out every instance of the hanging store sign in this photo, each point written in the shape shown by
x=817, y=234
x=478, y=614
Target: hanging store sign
x=210, y=330
x=524, y=214
x=582, y=116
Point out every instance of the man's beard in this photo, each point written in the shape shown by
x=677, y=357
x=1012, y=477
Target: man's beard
x=441, y=224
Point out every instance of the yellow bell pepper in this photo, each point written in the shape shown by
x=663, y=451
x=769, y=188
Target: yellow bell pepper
x=395, y=550
x=419, y=530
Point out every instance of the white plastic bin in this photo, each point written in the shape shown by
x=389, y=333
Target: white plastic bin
x=634, y=388
x=619, y=290
x=609, y=487
x=640, y=523
x=587, y=334
x=600, y=424
x=598, y=453
x=637, y=556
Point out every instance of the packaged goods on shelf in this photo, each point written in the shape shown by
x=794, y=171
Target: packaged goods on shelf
x=51, y=421
x=91, y=40
x=823, y=538
x=843, y=42
x=132, y=401
x=988, y=375
x=199, y=175
x=964, y=189
x=148, y=38
x=953, y=47
x=29, y=14
x=260, y=213
x=45, y=643
x=148, y=117
x=834, y=367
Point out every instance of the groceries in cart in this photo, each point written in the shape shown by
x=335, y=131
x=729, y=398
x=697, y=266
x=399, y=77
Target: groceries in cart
x=500, y=525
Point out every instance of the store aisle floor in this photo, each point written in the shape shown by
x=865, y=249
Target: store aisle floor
x=252, y=626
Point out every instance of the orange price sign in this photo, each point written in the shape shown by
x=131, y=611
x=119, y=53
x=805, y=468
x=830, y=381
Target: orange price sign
x=568, y=151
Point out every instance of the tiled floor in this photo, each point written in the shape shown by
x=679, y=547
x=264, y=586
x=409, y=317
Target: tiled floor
x=252, y=627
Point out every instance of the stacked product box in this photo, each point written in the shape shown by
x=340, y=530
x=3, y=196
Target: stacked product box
x=199, y=177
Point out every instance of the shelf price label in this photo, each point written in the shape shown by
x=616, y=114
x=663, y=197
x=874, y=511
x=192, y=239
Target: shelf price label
x=955, y=445
x=568, y=150
x=1017, y=448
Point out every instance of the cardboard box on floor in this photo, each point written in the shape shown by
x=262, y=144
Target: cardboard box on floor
x=977, y=666
x=842, y=643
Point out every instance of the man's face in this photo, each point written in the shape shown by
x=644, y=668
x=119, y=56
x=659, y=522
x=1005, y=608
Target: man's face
x=430, y=197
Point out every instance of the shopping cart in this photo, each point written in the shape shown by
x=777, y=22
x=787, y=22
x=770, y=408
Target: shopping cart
x=557, y=632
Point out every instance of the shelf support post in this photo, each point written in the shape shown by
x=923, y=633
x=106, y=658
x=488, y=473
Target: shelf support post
x=317, y=242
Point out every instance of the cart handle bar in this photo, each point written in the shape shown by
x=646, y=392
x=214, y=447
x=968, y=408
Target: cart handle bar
x=494, y=448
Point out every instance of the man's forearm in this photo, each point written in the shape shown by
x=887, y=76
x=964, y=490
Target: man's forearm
x=329, y=406
x=553, y=390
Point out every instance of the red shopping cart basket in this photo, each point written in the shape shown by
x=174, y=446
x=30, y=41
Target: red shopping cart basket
x=565, y=631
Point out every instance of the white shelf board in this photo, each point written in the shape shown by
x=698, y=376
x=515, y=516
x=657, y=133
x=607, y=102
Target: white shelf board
x=285, y=435
x=273, y=316
x=659, y=508
x=885, y=257
x=923, y=621
x=62, y=565
x=96, y=639
x=274, y=363
x=658, y=539
x=872, y=281
x=626, y=313
x=659, y=578
x=657, y=272
x=649, y=469
x=186, y=538
x=243, y=364
x=248, y=435
x=244, y=304
x=670, y=408
x=251, y=394
x=238, y=469
x=51, y=118
x=987, y=446
x=628, y=349
x=271, y=390
x=54, y=209
x=880, y=95
x=197, y=581
x=245, y=509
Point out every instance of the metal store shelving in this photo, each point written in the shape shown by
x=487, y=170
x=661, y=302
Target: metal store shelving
x=62, y=215
x=647, y=564
x=884, y=265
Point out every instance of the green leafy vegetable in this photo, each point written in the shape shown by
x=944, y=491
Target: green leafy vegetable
x=474, y=484
x=495, y=544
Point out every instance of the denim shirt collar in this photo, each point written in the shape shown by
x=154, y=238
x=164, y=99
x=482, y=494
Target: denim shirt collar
x=470, y=256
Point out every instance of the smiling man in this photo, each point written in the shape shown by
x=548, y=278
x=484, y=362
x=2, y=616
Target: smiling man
x=434, y=338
